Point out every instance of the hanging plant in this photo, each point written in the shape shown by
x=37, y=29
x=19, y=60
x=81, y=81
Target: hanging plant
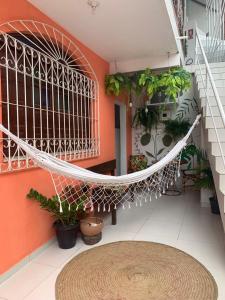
x=147, y=119
x=149, y=81
x=117, y=83
x=174, y=82
x=176, y=128
x=170, y=83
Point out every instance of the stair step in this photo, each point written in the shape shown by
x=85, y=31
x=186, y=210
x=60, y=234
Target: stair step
x=211, y=111
x=210, y=92
x=216, y=76
x=212, y=101
x=219, y=165
x=215, y=149
x=221, y=199
x=214, y=70
x=210, y=124
x=220, y=83
x=212, y=135
x=218, y=178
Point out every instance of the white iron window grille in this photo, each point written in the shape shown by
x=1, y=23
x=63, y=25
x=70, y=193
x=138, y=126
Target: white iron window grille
x=48, y=94
x=215, y=42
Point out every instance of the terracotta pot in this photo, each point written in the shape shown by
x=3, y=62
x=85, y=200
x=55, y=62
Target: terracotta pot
x=91, y=226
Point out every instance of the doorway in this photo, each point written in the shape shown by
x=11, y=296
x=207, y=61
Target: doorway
x=120, y=138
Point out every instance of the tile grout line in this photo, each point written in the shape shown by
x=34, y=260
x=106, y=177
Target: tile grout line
x=32, y=290
x=182, y=223
x=141, y=227
x=57, y=267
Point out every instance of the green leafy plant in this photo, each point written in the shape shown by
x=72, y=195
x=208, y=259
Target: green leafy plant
x=176, y=128
x=206, y=180
x=138, y=162
x=69, y=214
x=190, y=153
x=170, y=83
x=117, y=83
x=147, y=119
x=174, y=81
x=149, y=81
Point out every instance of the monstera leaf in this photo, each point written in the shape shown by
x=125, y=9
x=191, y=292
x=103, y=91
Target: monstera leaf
x=145, y=139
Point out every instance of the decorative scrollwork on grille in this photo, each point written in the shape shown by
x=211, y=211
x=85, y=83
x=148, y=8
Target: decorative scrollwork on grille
x=49, y=94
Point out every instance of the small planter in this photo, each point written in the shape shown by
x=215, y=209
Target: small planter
x=66, y=235
x=91, y=240
x=214, y=205
x=91, y=229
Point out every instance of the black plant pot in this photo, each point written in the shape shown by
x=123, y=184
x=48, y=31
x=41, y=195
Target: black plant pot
x=214, y=205
x=66, y=235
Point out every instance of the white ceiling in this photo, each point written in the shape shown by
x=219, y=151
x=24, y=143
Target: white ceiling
x=119, y=29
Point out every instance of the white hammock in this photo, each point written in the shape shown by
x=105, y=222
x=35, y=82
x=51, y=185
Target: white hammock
x=72, y=183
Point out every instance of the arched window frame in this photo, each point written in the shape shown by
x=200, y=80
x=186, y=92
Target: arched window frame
x=59, y=87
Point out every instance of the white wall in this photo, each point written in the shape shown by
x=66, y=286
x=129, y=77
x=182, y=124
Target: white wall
x=153, y=62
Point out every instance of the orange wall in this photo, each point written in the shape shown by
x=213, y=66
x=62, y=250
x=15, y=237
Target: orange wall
x=24, y=227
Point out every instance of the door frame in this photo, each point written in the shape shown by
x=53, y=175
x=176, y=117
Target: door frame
x=123, y=137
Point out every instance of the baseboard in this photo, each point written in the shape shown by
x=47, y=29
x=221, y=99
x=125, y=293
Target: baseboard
x=25, y=261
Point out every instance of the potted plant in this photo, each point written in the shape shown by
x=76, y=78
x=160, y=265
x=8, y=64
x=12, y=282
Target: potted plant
x=206, y=182
x=138, y=163
x=91, y=229
x=66, y=222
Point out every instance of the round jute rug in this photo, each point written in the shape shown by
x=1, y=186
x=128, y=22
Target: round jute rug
x=135, y=271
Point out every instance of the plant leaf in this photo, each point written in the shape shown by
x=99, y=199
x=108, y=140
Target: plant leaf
x=160, y=151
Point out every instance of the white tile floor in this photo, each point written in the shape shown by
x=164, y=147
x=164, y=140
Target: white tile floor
x=176, y=221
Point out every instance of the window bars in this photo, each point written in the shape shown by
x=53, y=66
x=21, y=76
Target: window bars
x=48, y=94
x=215, y=42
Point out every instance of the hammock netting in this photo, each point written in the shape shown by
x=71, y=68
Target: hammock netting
x=88, y=190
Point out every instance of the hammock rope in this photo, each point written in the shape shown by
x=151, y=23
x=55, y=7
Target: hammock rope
x=79, y=186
